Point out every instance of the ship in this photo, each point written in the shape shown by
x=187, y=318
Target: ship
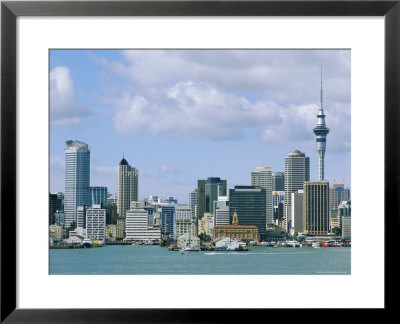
x=86, y=243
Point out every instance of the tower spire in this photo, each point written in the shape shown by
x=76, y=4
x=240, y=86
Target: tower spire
x=321, y=89
x=321, y=132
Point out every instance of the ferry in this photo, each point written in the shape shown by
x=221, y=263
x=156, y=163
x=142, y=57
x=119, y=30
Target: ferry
x=189, y=248
x=86, y=243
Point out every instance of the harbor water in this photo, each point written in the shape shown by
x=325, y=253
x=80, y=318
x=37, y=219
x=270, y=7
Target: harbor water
x=147, y=260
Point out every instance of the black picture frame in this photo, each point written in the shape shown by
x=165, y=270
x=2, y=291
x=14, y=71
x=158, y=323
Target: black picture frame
x=10, y=10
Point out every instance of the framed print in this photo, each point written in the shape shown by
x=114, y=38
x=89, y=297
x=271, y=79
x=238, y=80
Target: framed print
x=158, y=118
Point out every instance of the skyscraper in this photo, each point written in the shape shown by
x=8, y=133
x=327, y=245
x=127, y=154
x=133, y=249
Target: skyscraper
x=321, y=132
x=208, y=191
x=278, y=181
x=77, y=179
x=249, y=204
x=193, y=202
x=315, y=207
x=263, y=178
x=297, y=170
x=128, y=188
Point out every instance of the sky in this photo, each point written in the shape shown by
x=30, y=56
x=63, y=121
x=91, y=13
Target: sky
x=183, y=115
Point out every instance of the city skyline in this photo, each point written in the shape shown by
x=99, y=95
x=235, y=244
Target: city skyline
x=102, y=98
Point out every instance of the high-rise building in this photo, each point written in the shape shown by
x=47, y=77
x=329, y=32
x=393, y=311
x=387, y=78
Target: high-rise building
x=138, y=227
x=184, y=221
x=344, y=211
x=337, y=194
x=321, y=133
x=128, y=188
x=98, y=195
x=208, y=191
x=278, y=181
x=297, y=170
x=316, y=208
x=193, y=202
x=77, y=179
x=168, y=220
x=262, y=177
x=249, y=202
x=221, y=211
x=54, y=206
x=96, y=223
x=297, y=212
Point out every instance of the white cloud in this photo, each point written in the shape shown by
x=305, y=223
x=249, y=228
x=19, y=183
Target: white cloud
x=223, y=94
x=64, y=109
x=193, y=109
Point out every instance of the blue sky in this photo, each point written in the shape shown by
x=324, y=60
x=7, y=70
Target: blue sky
x=183, y=115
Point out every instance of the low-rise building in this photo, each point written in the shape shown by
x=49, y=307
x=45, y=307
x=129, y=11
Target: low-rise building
x=138, y=228
x=96, y=223
x=56, y=232
x=235, y=231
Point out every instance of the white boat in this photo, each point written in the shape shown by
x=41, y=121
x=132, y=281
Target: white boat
x=316, y=245
x=189, y=248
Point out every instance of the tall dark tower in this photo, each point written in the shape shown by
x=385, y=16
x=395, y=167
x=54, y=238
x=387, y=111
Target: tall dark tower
x=321, y=132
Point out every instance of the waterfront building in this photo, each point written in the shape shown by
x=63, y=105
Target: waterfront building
x=111, y=231
x=96, y=223
x=54, y=206
x=297, y=170
x=193, y=202
x=56, y=232
x=262, y=177
x=315, y=208
x=120, y=228
x=98, y=195
x=128, y=188
x=205, y=224
x=208, y=191
x=346, y=228
x=184, y=221
x=278, y=181
x=138, y=228
x=221, y=211
x=250, y=203
x=236, y=231
x=338, y=193
x=344, y=214
x=77, y=179
x=297, y=212
x=321, y=133
x=168, y=220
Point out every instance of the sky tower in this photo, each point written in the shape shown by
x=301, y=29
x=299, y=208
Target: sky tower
x=321, y=132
